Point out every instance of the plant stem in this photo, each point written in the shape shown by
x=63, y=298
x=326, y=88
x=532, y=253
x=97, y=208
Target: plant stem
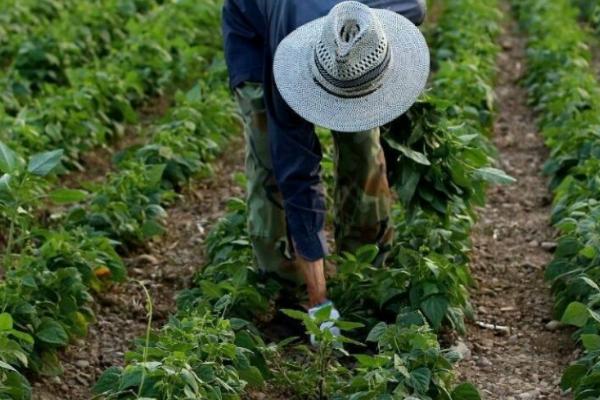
x=9, y=240
x=147, y=338
x=323, y=360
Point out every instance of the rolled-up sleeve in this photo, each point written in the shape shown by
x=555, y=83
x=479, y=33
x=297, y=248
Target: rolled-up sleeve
x=296, y=154
x=414, y=10
x=244, y=44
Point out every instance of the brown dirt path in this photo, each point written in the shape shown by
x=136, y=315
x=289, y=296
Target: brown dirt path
x=167, y=267
x=512, y=244
x=98, y=161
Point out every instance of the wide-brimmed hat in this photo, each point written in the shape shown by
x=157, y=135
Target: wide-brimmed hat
x=355, y=69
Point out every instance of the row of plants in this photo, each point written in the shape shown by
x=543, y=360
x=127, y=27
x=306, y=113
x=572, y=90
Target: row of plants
x=19, y=17
x=444, y=159
x=221, y=344
x=84, y=33
x=566, y=93
x=164, y=48
x=54, y=261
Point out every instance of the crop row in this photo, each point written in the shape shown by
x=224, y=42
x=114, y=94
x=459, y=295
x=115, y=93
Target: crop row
x=164, y=48
x=52, y=263
x=566, y=93
x=84, y=33
x=213, y=347
x=19, y=17
x=51, y=272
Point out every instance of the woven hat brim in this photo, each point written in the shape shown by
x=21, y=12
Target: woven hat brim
x=404, y=80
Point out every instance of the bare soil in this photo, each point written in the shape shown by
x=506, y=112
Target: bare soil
x=512, y=244
x=167, y=267
x=98, y=162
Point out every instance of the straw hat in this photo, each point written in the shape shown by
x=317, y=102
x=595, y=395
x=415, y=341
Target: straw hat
x=353, y=70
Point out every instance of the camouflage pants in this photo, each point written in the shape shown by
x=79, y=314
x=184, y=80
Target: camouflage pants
x=362, y=195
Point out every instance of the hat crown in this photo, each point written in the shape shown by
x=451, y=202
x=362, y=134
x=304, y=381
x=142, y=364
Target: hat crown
x=353, y=48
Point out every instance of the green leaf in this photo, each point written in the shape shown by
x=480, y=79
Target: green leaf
x=409, y=181
x=434, y=308
x=376, y=332
x=238, y=323
x=131, y=377
x=152, y=228
x=66, y=196
x=6, y=322
x=367, y=253
x=16, y=386
x=348, y=325
x=594, y=315
x=323, y=313
x=590, y=283
x=366, y=360
x=416, y=156
x=43, y=163
x=155, y=173
x=591, y=342
x=206, y=373
x=588, y=252
x=194, y=94
x=465, y=391
x=572, y=375
x=7, y=366
x=51, y=364
x=494, y=176
x=420, y=379
x=5, y=186
x=9, y=160
x=25, y=337
x=567, y=247
x=108, y=381
x=576, y=314
x=253, y=376
x=52, y=332
x=190, y=380
x=295, y=314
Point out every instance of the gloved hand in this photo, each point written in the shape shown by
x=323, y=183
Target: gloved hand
x=328, y=324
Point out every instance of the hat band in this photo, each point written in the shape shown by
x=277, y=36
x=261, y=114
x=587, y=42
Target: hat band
x=354, y=88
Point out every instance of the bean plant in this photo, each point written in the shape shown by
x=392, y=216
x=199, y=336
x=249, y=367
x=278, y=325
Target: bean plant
x=566, y=92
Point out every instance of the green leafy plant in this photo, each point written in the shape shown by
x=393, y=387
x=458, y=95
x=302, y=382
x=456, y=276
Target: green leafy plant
x=50, y=272
x=170, y=45
x=424, y=284
x=22, y=189
x=14, y=346
x=323, y=367
x=566, y=93
x=193, y=357
x=127, y=208
x=438, y=151
x=408, y=364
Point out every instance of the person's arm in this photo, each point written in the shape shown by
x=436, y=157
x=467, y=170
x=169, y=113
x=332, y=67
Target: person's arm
x=243, y=43
x=296, y=155
x=313, y=273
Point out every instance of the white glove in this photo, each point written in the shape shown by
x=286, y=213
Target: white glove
x=334, y=315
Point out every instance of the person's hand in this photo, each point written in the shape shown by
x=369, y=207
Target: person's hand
x=327, y=321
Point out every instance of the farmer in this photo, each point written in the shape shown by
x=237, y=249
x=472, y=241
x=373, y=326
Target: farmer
x=294, y=64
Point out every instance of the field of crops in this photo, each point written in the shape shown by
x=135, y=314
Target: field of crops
x=127, y=271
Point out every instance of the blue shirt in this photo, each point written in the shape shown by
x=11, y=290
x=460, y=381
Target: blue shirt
x=252, y=30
